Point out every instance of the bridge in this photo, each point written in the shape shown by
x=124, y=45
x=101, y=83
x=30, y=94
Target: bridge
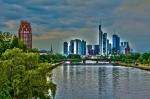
x=87, y=59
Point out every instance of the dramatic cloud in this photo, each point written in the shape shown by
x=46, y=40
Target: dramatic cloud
x=55, y=21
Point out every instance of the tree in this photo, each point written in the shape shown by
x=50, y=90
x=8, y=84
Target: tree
x=21, y=45
x=23, y=77
x=15, y=42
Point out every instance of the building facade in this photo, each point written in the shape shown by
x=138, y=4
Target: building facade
x=71, y=47
x=83, y=47
x=96, y=49
x=75, y=47
x=105, y=44
x=25, y=33
x=66, y=48
x=100, y=40
x=90, y=50
x=116, y=44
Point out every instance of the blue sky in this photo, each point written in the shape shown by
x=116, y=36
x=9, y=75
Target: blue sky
x=56, y=21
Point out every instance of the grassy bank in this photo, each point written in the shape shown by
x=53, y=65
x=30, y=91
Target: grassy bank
x=139, y=66
x=53, y=66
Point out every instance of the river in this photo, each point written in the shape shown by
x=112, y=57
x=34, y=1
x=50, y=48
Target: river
x=101, y=82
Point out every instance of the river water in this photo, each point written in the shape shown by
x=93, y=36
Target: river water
x=101, y=82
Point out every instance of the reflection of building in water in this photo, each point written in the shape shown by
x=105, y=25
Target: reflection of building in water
x=105, y=82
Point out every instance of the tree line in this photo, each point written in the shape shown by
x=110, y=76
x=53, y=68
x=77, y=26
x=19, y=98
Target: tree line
x=136, y=58
x=23, y=74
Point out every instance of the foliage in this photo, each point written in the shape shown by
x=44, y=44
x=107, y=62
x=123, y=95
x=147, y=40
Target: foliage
x=9, y=41
x=34, y=50
x=133, y=58
x=74, y=56
x=52, y=58
x=23, y=77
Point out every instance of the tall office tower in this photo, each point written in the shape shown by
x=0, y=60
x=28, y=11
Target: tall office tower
x=125, y=44
x=90, y=50
x=100, y=40
x=96, y=49
x=66, y=48
x=127, y=49
x=83, y=47
x=116, y=44
x=71, y=47
x=107, y=47
x=77, y=46
x=122, y=48
x=25, y=34
x=104, y=44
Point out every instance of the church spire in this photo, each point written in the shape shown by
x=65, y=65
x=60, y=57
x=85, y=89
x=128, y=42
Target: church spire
x=51, y=51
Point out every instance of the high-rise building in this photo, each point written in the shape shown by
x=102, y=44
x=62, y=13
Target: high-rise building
x=25, y=34
x=105, y=44
x=90, y=50
x=96, y=49
x=83, y=47
x=127, y=49
x=100, y=40
x=116, y=44
x=71, y=47
x=122, y=48
x=77, y=46
x=108, y=47
x=66, y=48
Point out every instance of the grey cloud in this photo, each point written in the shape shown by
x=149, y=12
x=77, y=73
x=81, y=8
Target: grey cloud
x=64, y=19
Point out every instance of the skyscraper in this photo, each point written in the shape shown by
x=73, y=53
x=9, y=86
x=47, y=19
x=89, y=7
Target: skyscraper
x=83, y=47
x=108, y=47
x=66, y=48
x=78, y=46
x=127, y=49
x=90, y=50
x=105, y=44
x=25, y=34
x=71, y=47
x=96, y=49
x=100, y=40
x=116, y=44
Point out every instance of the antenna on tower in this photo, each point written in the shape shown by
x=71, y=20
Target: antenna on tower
x=100, y=22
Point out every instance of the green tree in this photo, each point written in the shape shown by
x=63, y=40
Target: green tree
x=23, y=77
x=21, y=45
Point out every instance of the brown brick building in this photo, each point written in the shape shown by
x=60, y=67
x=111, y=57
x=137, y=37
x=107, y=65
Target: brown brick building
x=25, y=33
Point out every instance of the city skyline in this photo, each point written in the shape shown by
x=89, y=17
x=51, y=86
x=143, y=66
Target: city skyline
x=56, y=21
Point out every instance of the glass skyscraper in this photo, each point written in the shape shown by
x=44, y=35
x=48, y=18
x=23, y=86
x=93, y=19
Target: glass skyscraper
x=116, y=44
x=100, y=40
x=83, y=47
x=105, y=44
x=96, y=49
x=66, y=48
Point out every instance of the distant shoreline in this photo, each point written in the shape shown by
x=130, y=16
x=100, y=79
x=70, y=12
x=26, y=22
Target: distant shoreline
x=142, y=67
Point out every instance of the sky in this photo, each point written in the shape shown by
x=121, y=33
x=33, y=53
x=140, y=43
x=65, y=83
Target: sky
x=56, y=21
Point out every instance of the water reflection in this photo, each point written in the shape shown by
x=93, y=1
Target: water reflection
x=101, y=82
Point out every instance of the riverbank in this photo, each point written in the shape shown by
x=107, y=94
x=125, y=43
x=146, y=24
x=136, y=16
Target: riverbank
x=53, y=66
x=139, y=66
